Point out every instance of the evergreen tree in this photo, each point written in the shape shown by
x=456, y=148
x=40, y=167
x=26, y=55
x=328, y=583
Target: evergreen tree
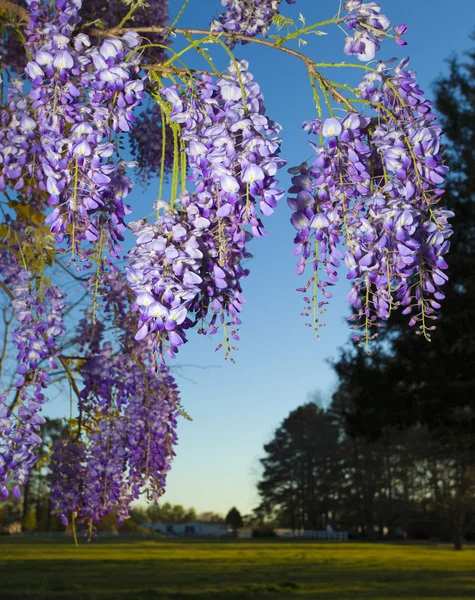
x=301, y=473
x=234, y=520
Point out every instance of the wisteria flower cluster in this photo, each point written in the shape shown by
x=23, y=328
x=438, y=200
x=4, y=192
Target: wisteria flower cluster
x=129, y=409
x=109, y=13
x=112, y=12
x=370, y=27
x=164, y=271
x=128, y=452
x=61, y=138
x=374, y=187
x=146, y=136
x=40, y=325
x=249, y=17
x=192, y=263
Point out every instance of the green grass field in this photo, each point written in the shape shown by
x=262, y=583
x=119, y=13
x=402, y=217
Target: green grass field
x=42, y=568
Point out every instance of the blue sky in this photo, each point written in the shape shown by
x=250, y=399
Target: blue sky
x=236, y=407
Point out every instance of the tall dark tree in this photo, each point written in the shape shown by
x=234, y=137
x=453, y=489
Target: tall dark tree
x=234, y=520
x=301, y=474
x=442, y=374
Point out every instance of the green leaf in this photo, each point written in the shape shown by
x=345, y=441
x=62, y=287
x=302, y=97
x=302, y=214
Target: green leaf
x=280, y=21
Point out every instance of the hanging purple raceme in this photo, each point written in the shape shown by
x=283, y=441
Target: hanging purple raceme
x=149, y=399
x=105, y=487
x=146, y=134
x=164, y=271
x=129, y=449
x=124, y=445
x=189, y=264
x=324, y=192
x=150, y=429
x=39, y=314
x=233, y=151
x=88, y=481
x=247, y=17
x=370, y=27
x=18, y=142
x=232, y=147
x=66, y=479
x=174, y=271
x=81, y=97
x=111, y=13
x=374, y=186
x=224, y=250
x=22, y=139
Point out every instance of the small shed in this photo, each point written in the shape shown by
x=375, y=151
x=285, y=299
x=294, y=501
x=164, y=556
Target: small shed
x=190, y=528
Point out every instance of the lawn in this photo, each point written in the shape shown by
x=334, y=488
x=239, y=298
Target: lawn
x=143, y=569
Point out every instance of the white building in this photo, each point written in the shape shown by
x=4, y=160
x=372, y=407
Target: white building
x=190, y=528
x=244, y=534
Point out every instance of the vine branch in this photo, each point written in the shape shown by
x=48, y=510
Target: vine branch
x=118, y=31
x=60, y=264
x=308, y=62
x=4, y=287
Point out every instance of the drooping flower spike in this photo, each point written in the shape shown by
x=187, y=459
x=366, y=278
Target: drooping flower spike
x=248, y=17
x=189, y=263
x=39, y=316
x=369, y=27
x=374, y=187
x=129, y=411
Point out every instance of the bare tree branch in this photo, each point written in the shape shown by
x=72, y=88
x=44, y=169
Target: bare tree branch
x=4, y=287
x=60, y=264
x=7, y=321
x=14, y=402
x=77, y=303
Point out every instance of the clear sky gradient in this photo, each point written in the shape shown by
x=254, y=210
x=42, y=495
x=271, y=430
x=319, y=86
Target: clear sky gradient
x=235, y=408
